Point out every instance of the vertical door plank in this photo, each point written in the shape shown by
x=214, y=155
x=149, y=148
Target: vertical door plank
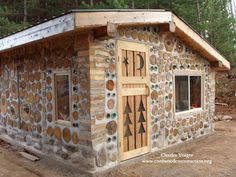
x=144, y=138
x=131, y=64
x=143, y=71
x=123, y=56
x=136, y=64
x=138, y=136
x=131, y=126
x=125, y=140
x=124, y=67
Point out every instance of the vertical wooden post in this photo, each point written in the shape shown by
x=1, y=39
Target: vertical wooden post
x=18, y=94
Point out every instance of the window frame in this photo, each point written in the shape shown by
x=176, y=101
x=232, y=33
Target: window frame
x=188, y=74
x=55, y=119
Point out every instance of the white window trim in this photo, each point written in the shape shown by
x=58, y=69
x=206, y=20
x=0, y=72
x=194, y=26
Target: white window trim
x=61, y=72
x=190, y=73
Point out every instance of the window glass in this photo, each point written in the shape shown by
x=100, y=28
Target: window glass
x=181, y=93
x=62, y=97
x=195, y=92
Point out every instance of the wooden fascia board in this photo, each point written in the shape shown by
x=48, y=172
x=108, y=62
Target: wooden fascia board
x=200, y=43
x=97, y=19
x=47, y=29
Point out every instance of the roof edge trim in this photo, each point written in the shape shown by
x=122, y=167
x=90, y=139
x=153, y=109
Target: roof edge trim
x=44, y=30
x=96, y=19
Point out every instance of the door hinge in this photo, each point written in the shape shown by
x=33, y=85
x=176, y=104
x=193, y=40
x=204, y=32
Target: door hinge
x=120, y=143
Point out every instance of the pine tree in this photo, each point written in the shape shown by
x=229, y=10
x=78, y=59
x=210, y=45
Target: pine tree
x=213, y=19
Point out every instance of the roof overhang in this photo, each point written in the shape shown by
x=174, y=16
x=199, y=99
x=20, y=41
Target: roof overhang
x=95, y=19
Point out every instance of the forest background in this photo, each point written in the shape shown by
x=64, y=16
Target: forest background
x=215, y=20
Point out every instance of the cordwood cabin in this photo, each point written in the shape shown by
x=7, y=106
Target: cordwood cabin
x=95, y=88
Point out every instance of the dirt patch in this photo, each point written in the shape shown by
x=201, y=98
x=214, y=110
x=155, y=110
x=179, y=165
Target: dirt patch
x=14, y=165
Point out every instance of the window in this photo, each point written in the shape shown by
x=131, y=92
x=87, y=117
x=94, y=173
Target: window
x=181, y=93
x=187, y=93
x=62, y=96
x=195, y=92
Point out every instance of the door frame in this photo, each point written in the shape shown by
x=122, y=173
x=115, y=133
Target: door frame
x=127, y=45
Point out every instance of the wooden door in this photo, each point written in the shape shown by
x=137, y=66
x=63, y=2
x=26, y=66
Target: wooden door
x=133, y=99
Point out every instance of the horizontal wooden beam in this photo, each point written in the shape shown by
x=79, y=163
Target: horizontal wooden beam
x=100, y=32
x=96, y=19
x=135, y=91
x=172, y=26
x=216, y=64
x=105, y=32
x=111, y=29
x=134, y=80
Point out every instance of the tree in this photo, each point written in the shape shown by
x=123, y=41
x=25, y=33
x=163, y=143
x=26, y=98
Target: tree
x=107, y=4
x=218, y=27
x=213, y=19
x=7, y=26
x=25, y=11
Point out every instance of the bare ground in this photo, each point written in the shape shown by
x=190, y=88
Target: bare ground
x=13, y=165
x=220, y=147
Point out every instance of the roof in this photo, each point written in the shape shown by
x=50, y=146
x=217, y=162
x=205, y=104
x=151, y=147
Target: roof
x=89, y=19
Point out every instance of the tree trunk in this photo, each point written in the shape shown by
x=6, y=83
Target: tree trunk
x=198, y=11
x=25, y=11
x=133, y=5
x=91, y=2
x=76, y=3
x=199, y=15
x=231, y=8
x=170, y=4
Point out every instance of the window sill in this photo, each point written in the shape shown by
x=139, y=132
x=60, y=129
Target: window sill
x=189, y=112
x=63, y=122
